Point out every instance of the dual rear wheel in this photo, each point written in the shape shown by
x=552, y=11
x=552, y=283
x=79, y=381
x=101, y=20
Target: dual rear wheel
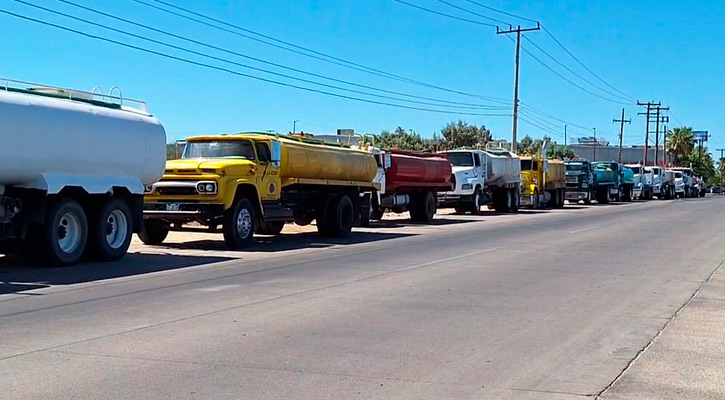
x=100, y=231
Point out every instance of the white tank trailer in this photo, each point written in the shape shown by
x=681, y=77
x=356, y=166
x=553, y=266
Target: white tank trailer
x=73, y=168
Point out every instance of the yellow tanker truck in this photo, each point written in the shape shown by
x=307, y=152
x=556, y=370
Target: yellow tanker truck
x=543, y=182
x=249, y=183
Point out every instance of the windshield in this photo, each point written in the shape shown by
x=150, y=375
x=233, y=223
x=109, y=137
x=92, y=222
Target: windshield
x=526, y=165
x=460, y=159
x=678, y=174
x=219, y=149
x=635, y=170
x=575, y=166
x=604, y=167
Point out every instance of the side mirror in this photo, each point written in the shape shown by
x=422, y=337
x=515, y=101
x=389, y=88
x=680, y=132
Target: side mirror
x=276, y=153
x=387, y=161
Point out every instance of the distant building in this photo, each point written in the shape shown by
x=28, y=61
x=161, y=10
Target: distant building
x=630, y=155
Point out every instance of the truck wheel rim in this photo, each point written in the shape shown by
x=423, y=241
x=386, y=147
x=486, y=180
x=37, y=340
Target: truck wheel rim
x=69, y=233
x=116, y=229
x=244, y=223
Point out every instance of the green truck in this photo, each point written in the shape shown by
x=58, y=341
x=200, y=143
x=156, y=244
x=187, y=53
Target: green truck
x=607, y=181
x=579, y=181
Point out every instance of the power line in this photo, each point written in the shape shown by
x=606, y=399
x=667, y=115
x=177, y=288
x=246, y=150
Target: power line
x=472, y=12
x=584, y=66
x=223, y=69
x=297, y=49
x=228, y=61
x=500, y=11
x=567, y=79
x=470, y=21
x=543, y=128
x=574, y=72
x=458, y=104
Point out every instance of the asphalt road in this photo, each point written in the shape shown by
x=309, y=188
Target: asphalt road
x=540, y=305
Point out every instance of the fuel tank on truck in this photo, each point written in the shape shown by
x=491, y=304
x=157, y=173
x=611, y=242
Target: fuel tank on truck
x=502, y=167
x=306, y=160
x=409, y=171
x=49, y=140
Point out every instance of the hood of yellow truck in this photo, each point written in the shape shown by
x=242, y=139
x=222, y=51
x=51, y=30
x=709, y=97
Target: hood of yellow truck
x=527, y=177
x=198, y=164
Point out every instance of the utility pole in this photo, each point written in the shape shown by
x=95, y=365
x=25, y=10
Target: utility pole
x=518, y=30
x=650, y=106
x=294, y=125
x=662, y=119
x=664, y=145
x=722, y=170
x=657, y=132
x=621, y=133
x=595, y=144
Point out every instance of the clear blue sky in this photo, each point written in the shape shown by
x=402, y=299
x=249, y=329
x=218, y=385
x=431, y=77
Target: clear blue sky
x=667, y=50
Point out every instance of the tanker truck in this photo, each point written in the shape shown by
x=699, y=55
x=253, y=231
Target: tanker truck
x=489, y=177
x=247, y=183
x=73, y=166
x=410, y=181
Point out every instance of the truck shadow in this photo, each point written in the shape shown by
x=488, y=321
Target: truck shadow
x=286, y=241
x=399, y=223
x=17, y=276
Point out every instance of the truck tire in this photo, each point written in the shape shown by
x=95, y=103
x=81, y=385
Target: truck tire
x=560, y=198
x=153, y=232
x=425, y=208
x=270, y=228
x=589, y=197
x=366, y=212
x=536, y=204
x=516, y=194
x=340, y=217
x=603, y=196
x=111, y=229
x=65, y=232
x=321, y=216
x=239, y=224
x=475, y=205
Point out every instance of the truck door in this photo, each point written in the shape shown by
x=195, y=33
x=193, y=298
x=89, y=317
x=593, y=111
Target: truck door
x=478, y=168
x=269, y=181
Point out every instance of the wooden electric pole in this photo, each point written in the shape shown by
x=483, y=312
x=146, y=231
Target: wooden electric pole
x=650, y=106
x=518, y=30
x=621, y=133
x=662, y=119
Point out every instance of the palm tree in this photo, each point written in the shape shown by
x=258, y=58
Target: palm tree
x=681, y=142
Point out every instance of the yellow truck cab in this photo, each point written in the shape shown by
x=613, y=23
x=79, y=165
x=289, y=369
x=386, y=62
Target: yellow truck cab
x=249, y=183
x=543, y=182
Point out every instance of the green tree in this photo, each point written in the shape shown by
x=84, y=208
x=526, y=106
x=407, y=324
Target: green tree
x=559, y=151
x=680, y=143
x=702, y=162
x=401, y=139
x=462, y=134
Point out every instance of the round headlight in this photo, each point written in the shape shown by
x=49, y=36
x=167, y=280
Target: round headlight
x=209, y=187
x=201, y=188
x=148, y=188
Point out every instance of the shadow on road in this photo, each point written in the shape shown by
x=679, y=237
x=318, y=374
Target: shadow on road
x=283, y=241
x=399, y=223
x=18, y=276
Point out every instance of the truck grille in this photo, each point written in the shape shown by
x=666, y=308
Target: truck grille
x=176, y=191
x=572, y=179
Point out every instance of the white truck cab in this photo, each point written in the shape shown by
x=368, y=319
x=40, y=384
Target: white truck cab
x=656, y=179
x=469, y=174
x=680, y=184
x=643, y=181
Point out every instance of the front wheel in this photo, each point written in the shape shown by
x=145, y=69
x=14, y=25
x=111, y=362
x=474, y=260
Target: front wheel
x=153, y=232
x=111, y=231
x=475, y=206
x=425, y=208
x=239, y=225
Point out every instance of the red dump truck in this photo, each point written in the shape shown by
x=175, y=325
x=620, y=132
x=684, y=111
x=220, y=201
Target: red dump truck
x=410, y=181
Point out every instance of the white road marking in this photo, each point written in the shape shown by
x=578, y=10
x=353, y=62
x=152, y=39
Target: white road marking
x=447, y=259
x=217, y=288
x=584, y=229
